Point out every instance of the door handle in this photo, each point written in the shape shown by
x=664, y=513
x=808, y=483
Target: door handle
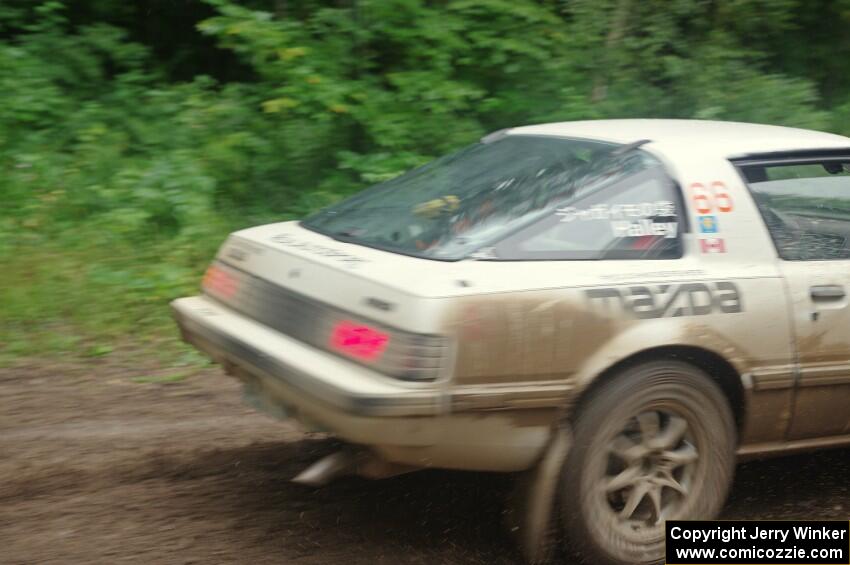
x=827, y=292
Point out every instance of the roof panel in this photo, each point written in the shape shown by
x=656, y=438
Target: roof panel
x=726, y=139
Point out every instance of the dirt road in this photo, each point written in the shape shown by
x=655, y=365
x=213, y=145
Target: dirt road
x=98, y=467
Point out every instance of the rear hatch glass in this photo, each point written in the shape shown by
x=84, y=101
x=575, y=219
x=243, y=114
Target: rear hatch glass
x=473, y=198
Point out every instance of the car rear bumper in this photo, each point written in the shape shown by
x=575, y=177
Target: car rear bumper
x=340, y=383
x=404, y=423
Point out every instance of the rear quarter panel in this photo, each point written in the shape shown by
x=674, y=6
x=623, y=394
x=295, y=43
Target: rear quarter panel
x=542, y=322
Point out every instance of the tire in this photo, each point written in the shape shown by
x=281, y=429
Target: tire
x=650, y=424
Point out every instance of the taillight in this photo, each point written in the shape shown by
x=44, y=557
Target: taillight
x=405, y=356
x=219, y=283
x=390, y=351
x=358, y=340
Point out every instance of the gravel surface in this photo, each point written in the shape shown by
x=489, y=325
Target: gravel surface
x=97, y=467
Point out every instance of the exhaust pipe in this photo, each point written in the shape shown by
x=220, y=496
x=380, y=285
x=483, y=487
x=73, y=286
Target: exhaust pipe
x=347, y=462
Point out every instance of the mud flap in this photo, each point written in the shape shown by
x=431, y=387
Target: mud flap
x=531, y=512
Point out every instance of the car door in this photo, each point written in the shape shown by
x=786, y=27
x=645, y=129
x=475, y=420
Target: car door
x=805, y=202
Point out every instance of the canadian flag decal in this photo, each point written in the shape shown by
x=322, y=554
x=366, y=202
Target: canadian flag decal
x=712, y=245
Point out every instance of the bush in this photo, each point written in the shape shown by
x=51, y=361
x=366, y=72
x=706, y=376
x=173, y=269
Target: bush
x=120, y=179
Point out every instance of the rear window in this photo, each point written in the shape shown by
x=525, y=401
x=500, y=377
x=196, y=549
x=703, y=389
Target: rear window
x=637, y=217
x=480, y=195
x=805, y=205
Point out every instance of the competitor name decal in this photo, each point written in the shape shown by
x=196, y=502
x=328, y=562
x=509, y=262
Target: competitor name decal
x=670, y=300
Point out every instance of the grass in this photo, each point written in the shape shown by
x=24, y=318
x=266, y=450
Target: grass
x=89, y=290
x=87, y=296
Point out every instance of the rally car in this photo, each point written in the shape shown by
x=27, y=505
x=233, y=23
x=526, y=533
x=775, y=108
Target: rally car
x=617, y=309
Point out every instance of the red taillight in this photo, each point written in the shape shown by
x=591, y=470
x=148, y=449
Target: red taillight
x=220, y=283
x=358, y=340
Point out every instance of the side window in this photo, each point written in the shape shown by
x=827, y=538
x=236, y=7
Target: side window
x=805, y=205
x=638, y=217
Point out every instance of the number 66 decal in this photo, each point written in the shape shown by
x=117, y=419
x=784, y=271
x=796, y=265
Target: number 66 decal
x=707, y=199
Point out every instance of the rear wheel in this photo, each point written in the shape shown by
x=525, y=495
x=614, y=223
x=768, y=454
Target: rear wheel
x=655, y=443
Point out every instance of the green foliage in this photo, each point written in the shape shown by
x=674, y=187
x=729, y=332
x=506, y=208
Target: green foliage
x=133, y=137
